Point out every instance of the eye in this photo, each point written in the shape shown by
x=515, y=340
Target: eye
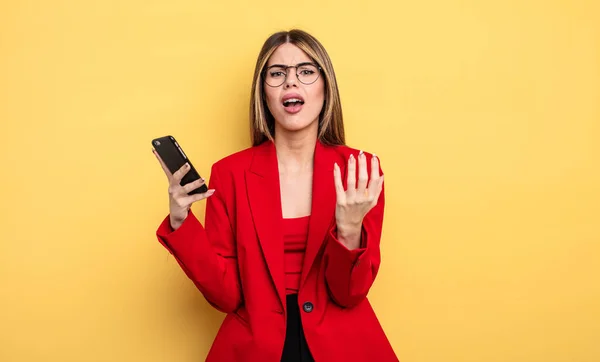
x=276, y=73
x=307, y=72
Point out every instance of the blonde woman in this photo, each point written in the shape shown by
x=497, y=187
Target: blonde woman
x=290, y=244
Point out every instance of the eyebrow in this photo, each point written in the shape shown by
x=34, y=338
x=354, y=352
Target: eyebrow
x=284, y=66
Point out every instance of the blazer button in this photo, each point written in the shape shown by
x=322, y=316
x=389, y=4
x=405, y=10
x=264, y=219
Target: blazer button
x=308, y=307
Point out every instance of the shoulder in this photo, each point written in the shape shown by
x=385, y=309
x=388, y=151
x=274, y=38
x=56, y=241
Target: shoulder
x=238, y=161
x=341, y=154
x=234, y=160
x=348, y=150
x=344, y=151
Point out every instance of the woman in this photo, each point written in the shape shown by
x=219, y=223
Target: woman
x=290, y=244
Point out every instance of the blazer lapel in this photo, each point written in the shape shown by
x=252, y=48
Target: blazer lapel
x=323, y=205
x=262, y=187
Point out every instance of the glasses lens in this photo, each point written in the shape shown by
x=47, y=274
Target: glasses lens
x=307, y=73
x=275, y=76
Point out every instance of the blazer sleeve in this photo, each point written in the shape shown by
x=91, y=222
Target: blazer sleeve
x=207, y=254
x=349, y=274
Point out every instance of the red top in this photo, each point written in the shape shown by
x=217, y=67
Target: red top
x=295, y=236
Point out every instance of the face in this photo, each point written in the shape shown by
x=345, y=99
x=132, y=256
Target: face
x=294, y=105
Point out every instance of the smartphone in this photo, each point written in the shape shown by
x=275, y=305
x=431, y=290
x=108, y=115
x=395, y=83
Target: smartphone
x=173, y=156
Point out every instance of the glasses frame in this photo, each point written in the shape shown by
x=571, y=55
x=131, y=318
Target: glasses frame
x=286, y=67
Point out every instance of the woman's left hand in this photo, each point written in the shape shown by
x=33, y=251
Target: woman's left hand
x=354, y=203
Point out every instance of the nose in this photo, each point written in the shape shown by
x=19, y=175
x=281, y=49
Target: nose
x=291, y=80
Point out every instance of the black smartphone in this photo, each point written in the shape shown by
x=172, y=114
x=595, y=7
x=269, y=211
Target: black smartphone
x=173, y=156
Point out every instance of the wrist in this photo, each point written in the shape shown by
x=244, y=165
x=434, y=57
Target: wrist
x=349, y=236
x=176, y=222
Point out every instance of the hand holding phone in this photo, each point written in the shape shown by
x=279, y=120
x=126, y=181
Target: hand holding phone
x=185, y=184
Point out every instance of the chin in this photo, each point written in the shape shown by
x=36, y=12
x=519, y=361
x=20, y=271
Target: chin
x=295, y=123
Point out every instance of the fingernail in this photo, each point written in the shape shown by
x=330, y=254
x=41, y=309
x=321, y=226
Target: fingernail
x=360, y=153
x=187, y=165
x=351, y=156
x=374, y=156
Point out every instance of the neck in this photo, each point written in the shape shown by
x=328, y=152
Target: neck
x=295, y=150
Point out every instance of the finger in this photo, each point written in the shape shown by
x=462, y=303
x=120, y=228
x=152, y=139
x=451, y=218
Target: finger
x=185, y=201
x=339, y=187
x=187, y=188
x=363, y=175
x=202, y=196
x=162, y=164
x=178, y=175
x=373, y=182
x=377, y=193
x=351, y=178
x=379, y=189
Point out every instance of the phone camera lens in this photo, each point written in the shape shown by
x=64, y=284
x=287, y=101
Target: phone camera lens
x=157, y=143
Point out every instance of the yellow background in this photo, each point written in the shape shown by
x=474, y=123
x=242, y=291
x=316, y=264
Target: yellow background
x=485, y=114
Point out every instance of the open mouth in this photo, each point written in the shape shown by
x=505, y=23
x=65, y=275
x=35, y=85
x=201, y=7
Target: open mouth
x=291, y=102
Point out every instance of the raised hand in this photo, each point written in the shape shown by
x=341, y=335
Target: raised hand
x=360, y=197
x=179, y=200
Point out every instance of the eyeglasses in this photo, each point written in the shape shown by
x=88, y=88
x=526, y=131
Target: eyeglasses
x=307, y=73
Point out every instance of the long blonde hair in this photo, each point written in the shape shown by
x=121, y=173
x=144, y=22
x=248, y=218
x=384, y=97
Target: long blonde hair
x=262, y=123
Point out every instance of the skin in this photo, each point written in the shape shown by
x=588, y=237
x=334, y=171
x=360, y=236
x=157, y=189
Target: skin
x=295, y=139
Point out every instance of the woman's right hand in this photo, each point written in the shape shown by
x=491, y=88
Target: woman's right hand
x=179, y=200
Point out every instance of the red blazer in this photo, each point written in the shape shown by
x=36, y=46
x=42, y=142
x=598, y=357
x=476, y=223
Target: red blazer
x=236, y=261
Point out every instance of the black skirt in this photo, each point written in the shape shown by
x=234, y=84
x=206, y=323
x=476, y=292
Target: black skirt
x=295, y=348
